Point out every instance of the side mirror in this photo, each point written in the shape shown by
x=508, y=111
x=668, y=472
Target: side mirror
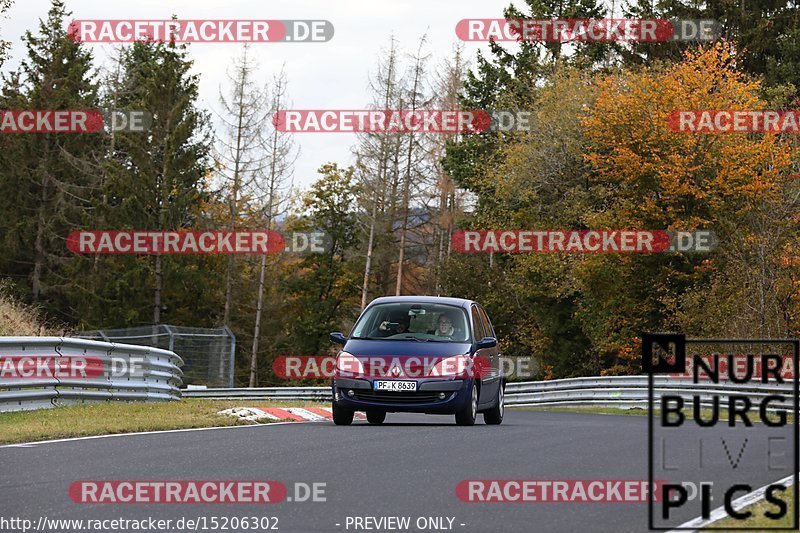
x=338, y=338
x=486, y=342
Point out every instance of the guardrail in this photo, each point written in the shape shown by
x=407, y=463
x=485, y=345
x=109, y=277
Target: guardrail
x=153, y=374
x=612, y=391
x=289, y=394
x=628, y=392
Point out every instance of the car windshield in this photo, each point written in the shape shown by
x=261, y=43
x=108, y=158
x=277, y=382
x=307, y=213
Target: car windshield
x=420, y=322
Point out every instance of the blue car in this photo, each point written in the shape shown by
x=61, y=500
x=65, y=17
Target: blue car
x=419, y=354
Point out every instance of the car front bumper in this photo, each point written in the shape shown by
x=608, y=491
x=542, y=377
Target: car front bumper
x=433, y=396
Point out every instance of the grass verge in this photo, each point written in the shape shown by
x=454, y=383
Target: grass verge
x=112, y=418
x=18, y=319
x=759, y=520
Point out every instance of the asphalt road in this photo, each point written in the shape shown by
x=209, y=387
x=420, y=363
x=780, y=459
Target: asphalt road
x=408, y=467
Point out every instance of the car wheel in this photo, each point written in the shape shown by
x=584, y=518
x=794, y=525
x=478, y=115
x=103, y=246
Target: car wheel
x=466, y=416
x=341, y=416
x=376, y=417
x=494, y=416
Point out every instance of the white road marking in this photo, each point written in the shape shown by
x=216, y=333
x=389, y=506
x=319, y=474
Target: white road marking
x=308, y=415
x=737, y=504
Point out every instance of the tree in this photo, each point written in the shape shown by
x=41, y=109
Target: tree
x=767, y=35
x=741, y=186
x=163, y=182
x=46, y=190
x=4, y=45
x=412, y=99
x=449, y=199
x=324, y=289
x=240, y=157
x=507, y=80
x=378, y=155
x=281, y=156
x=536, y=180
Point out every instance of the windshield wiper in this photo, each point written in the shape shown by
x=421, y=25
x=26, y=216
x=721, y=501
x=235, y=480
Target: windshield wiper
x=406, y=338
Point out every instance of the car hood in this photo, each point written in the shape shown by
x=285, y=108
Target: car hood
x=391, y=348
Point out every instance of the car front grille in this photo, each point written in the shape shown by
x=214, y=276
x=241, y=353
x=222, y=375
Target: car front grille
x=397, y=397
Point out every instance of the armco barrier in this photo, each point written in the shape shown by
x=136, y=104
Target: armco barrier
x=613, y=391
x=631, y=391
x=289, y=394
x=157, y=378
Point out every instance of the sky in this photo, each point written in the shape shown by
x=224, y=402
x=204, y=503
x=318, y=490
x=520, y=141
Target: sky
x=332, y=75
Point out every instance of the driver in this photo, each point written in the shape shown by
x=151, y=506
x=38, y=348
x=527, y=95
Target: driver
x=397, y=325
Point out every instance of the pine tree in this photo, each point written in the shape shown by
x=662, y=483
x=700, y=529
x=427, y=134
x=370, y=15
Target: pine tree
x=161, y=184
x=46, y=190
x=324, y=287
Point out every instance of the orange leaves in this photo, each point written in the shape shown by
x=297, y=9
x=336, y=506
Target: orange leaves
x=676, y=177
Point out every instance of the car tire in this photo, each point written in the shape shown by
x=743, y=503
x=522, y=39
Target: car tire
x=341, y=416
x=466, y=416
x=376, y=417
x=494, y=416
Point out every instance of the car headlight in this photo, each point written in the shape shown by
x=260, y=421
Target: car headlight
x=457, y=365
x=349, y=364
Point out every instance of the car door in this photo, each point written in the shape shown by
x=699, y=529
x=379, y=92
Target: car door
x=483, y=359
x=492, y=379
x=496, y=358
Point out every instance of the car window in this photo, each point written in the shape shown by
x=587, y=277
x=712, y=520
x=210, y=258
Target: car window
x=413, y=321
x=477, y=327
x=487, y=325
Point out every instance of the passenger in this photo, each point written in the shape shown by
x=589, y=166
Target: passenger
x=444, y=327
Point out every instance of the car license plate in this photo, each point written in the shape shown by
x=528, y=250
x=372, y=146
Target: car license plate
x=396, y=386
